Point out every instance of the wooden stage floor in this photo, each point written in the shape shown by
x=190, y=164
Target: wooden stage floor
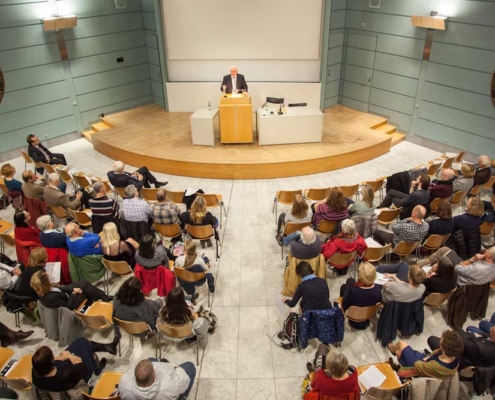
x=162, y=141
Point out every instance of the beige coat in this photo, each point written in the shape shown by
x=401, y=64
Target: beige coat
x=33, y=190
x=55, y=197
x=292, y=280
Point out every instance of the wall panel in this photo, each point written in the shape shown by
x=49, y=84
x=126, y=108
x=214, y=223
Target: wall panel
x=395, y=83
x=358, y=75
x=459, y=78
x=400, y=46
x=393, y=101
x=398, y=65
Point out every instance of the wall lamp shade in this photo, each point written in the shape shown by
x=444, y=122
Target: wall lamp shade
x=437, y=22
x=56, y=23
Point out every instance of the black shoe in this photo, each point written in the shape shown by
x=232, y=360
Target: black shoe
x=194, y=297
x=164, y=360
x=203, y=244
x=160, y=184
x=109, y=298
x=335, y=304
x=209, y=243
x=279, y=240
x=309, y=367
x=281, y=335
x=287, y=346
x=427, y=352
x=192, y=340
x=101, y=366
x=112, y=348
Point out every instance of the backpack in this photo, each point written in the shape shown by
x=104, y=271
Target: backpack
x=290, y=330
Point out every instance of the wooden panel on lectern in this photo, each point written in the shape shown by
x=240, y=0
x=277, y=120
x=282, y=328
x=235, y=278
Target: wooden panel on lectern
x=228, y=131
x=244, y=123
x=235, y=99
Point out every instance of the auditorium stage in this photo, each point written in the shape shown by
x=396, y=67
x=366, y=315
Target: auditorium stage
x=162, y=141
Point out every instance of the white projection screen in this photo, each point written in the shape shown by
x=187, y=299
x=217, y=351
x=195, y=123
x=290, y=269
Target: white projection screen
x=269, y=40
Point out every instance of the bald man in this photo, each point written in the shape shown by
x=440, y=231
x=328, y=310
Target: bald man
x=442, y=188
x=413, y=229
x=233, y=80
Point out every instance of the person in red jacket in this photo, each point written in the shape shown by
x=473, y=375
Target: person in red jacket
x=347, y=241
x=23, y=231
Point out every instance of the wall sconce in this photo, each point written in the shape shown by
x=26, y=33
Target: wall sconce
x=57, y=23
x=437, y=22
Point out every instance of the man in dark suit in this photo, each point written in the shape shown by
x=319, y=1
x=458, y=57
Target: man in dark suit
x=233, y=80
x=40, y=153
x=142, y=177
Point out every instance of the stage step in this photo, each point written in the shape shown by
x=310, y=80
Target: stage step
x=101, y=126
x=87, y=135
x=386, y=128
x=397, y=138
x=379, y=124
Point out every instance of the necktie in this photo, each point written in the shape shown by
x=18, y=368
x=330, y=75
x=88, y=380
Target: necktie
x=234, y=83
x=43, y=151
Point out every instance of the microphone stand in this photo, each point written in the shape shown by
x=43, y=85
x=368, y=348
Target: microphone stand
x=280, y=110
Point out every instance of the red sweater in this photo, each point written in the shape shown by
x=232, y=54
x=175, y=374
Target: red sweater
x=338, y=244
x=27, y=234
x=326, y=385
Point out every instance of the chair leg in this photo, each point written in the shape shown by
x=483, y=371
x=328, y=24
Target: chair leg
x=120, y=352
x=197, y=352
x=282, y=249
x=216, y=246
x=224, y=209
x=209, y=298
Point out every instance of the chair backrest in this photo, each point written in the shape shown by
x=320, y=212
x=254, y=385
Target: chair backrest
x=374, y=254
x=375, y=185
x=175, y=197
x=94, y=321
x=49, y=169
x=200, y=231
x=458, y=158
x=292, y=227
x=435, y=203
x=81, y=217
x=287, y=196
x=117, y=267
x=121, y=192
x=387, y=216
x=379, y=393
x=340, y=259
x=350, y=191
x=405, y=248
x=433, y=168
x=105, y=386
x=6, y=354
x=211, y=200
x=318, y=194
x=457, y=197
x=17, y=384
x=486, y=228
x=20, y=376
x=149, y=194
x=108, y=188
x=4, y=188
x=26, y=157
x=489, y=184
x=188, y=276
x=7, y=239
x=175, y=332
x=448, y=162
x=64, y=175
x=327, y=227
x=435, y=299
x=475, y=191
x=433, y=242
x=133, y=328
x=82, y=181
x=58, y=211
x=168, y=230
x=359, y=314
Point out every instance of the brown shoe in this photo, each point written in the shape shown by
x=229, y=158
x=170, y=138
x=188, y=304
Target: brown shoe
x=14, y=337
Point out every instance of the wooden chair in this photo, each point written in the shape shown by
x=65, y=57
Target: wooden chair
x=434, y=242
x=458, y=158
x=176, y=334
x=20, y=375
x=292, y=227
x=486, y=228
x=475, y=190
x=435, y=299
x=149, y=194
x=168, y=230
x=29, y=160
x=390, y=387
x=448, y=162
x=6, y=240
x=81, y=217
x=376, y=185
x=435, y=203
x=5, y=191
x=386, y=217
x=58, y=211
x=120, y=192
x=284, y=197
x=489, y=184
x=433, y=169
x=49, y=169
x=350, y=191
x=82, y=181
x=338, y=260
x=191, y=277
x=105, y=385
x=117, y=267
x=214, y=201
x=327, y=227
x=98, y=316
x=317, y=194
x=458, y=198
x=375, y=254
x=5, y=226
x=361, y=314
x=6, y=353
x=403, y=249
x=139, y=328
x=175, y=197
x=66, y=177
x=203, y=232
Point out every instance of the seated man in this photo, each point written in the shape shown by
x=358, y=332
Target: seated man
x=483, y=172
x=142, y=177
x=10, y=271
x=40, y=153
x=304, y=244
x=53, y=195
x=478, y=270
x=157, y=381
x=34, y=190
x=484, y=327
x=81, y=243
x=413, y=229
x=418, y=194
x=135, y=209
x=164, y=211
x=103, y=208
x=404, y=291
x=442, y=188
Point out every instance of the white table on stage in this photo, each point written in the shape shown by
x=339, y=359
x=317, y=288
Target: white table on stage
x=202, y=128
x=296, y=125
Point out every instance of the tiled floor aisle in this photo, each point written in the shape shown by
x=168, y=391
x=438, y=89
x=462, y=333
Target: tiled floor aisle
x=241, y=361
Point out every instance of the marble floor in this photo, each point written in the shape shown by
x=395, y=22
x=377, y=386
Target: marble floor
x=242, y=360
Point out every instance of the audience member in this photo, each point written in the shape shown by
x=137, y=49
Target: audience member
x=140, y=178
x=149, y=255
x=412, y=229
x=334, y=208
x=441, y=364
x=442, y=278
x=465, y=180
x=364, y=207
x=114, y=249
x=484, y=327
x=53, y=196
x=129, y=304
x=401, y=287
x=135, y=208
x=193, y=262
x=8, y=336
x=37, y=262
x=164, y=211
x=40, y=153
x=23, y=231
x=362, y=293
x=103, y=208
x=34, y=186
x=81, y=243
x=472, y=217
x=483, y=172
x=304, y=244
x=299, y=213
x=418, y=194
x=49, y=236
x=444, y=224
x=442, y=188
x=199, y=215
x=12, y=184
x=157, y=380
x=489, y=215
x=10, y=271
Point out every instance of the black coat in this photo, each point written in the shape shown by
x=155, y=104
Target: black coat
x=466, y=243
x=240, y=83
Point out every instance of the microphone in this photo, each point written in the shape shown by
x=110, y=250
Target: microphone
x=280, y=110
x=263, y=106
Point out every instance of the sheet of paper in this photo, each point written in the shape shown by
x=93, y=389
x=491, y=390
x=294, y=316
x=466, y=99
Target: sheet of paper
x=370, y=242
x=380, y=279
x=372, y=377
x=53, y=271
x=427, y=268
x=281, y=307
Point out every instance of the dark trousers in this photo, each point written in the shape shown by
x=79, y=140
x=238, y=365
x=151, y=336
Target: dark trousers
x=383, y=237
x=281, y=220
x=82, y=347
x=402, y=270
x=89, y=292
x=148, y=177
x=56, y=158
x=393, y=197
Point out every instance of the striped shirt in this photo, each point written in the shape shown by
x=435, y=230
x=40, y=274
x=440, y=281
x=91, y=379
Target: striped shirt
x=104, y=207
x=165, y=213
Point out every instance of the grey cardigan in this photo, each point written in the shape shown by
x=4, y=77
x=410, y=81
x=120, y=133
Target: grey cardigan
x=147, y=311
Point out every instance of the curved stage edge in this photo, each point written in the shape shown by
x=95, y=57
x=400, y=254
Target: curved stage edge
x=162, y=141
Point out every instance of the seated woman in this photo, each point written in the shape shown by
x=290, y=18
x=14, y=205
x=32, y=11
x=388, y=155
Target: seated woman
x=49, y=236
x=312, y=291
x=199, y=215
x=441, y=364
x=334, y=208
x=465, y=180
x=344, y=242
x=129, y=304
x=299, y=213
x=444, y=224
x=364, y=207
x=37, y=262
x=23, y=231
x=332, y=374
x=12, y=184
x=177, y=312
x=362, y=293
x=442, y=278
x=472, y=217
x=149, y=256
x=405, y=287
x=193, y=262
x=70, y=296
x=61, y=373
x=115, y=249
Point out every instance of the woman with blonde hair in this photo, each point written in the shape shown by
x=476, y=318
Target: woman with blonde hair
x=364, y=207
x=115, y=249
x=334, y=208
x=465, y=181
x=472, y=217
x=193, y=262
x=362, y=293
x=199, y=215
x=299, y=213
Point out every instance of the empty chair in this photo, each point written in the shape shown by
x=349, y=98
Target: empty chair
x=106, y=384
x=284, y=197
x=214, y=201
x=350, y=191
x=19, y=376
x=98, y=315
x=175, y=334
x=66, y=177
x=386, y=217
x=149, y=194
x=317, y=194
x=448, y=163
x=375, y=254
x=433, y=169
x=49, y=169
x=139, y=329
x=58, y=211
x=114, y=267
x=81, y=217
x=434, y=242
x=175, y=197
x=403, y=249
x=435, y=299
